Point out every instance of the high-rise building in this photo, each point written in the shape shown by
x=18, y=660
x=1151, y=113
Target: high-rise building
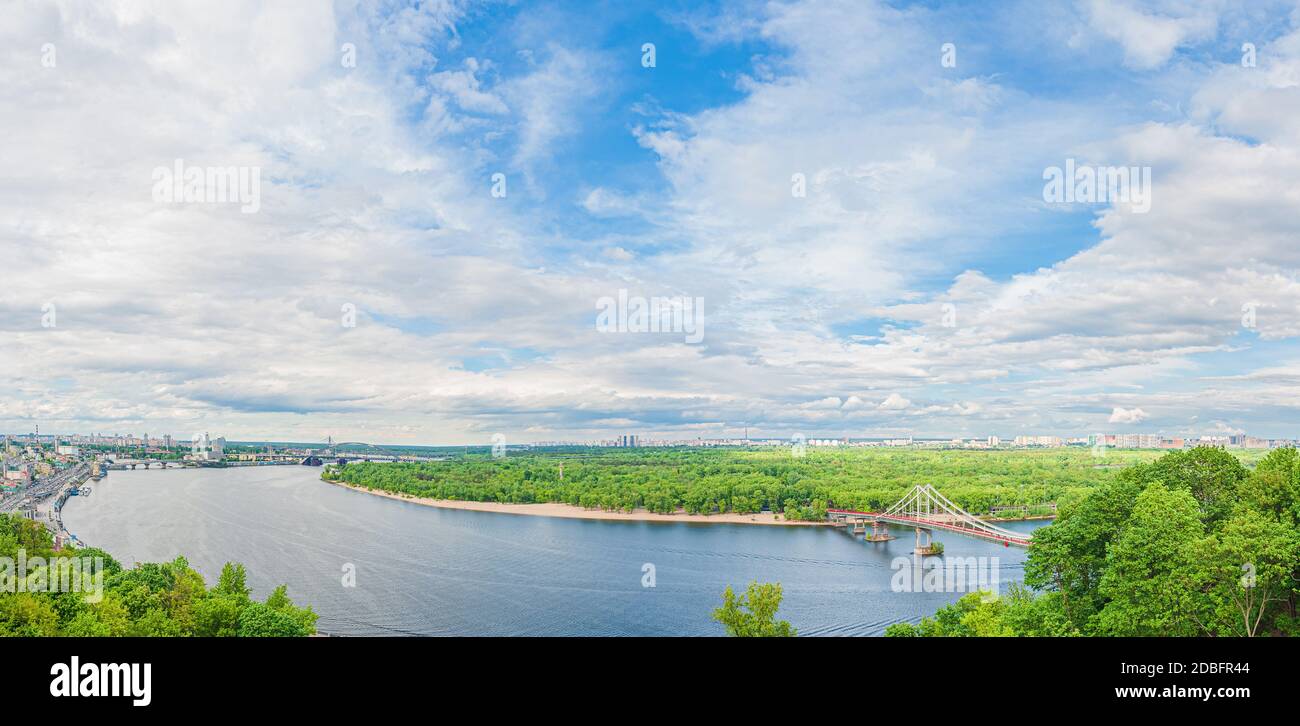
x=207, y=448
x=1038, y=441
x=1135, y=441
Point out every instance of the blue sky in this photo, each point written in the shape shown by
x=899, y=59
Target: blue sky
x=920, y=285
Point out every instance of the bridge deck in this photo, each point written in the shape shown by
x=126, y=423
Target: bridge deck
x=941, y=521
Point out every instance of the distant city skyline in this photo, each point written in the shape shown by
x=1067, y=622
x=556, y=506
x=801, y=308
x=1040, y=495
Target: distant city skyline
x=437, y=224
x=1119, y=440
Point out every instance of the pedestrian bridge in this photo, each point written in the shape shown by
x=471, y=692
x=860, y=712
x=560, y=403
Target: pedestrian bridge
x=925, y=509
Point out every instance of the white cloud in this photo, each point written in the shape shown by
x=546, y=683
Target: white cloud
x=608, y=203
x=1149, y=39
x=547, y=101
x=894, y=402
x=465, y=88
x=470, y=322
x=1127, y=415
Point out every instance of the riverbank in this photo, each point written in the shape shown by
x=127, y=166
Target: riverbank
x=569, y=511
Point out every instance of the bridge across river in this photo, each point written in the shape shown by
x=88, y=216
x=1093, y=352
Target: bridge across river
x=124, y=464
x=925, y=509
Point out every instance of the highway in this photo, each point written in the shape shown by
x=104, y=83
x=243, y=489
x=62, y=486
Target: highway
x=45, y=488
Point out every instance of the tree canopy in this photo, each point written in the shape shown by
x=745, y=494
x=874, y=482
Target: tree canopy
x=708, y=481
x=167, y=599
x=753, y=615
x=1192, y=544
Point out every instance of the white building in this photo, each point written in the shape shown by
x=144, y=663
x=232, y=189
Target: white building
x=206, y=448
x=1050, y=441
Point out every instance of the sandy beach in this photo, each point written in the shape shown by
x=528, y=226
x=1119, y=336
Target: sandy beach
x=555, y=509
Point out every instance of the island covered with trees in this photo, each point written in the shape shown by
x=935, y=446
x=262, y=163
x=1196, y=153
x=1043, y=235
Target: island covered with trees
x=150, y=599
x=744, y=481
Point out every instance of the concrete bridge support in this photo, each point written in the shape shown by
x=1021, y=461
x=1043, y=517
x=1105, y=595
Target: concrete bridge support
x=928, y=547
x=879, y=532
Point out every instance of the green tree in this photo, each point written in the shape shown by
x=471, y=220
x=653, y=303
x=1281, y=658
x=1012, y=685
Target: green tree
x=1142, y=584
x=233, y=581
x=107, y=618
x=1274, y=486
x=280, y=602
x=1238, y=572
x=753, y=615
x=111, y=565
x=28, y=614
x=154, y=623
x=1210, y=474
x=259, y=620
x=217, y=616
x=1070, y=556
x=1037, y=616
x=902, y=630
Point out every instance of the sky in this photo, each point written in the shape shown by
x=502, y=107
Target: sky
x=850, y=197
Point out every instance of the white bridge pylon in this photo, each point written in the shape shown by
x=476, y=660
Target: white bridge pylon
x=925, y=507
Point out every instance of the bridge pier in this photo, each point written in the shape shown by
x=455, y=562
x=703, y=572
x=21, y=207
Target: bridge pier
x=928, y=547
x=879, y=532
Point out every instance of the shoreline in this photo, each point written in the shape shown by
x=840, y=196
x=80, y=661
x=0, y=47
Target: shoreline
x=570, y=511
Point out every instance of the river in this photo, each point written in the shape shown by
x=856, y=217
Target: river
x=426, y=571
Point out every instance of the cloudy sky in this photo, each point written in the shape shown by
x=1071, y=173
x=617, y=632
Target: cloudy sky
x=390, y=287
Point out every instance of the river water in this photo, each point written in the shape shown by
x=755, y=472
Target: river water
x=427, y=571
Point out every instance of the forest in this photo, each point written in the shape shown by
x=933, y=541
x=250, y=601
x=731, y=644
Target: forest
x=708, y=481
x=150, y=599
